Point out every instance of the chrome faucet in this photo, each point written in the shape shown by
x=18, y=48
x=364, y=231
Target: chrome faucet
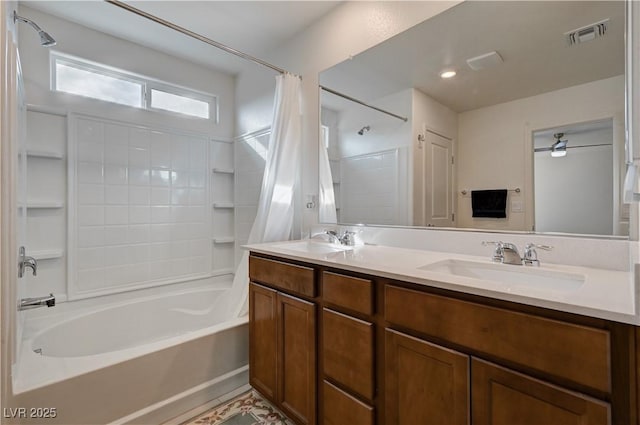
x=25, y=261
x=29, y=303
x=347, y=238
x=505, y=253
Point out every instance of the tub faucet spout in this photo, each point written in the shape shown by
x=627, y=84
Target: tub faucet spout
x=29, y=303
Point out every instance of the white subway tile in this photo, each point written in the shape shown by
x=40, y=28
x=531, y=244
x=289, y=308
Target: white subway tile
x=159, y=251
x=90, y=172
x=138, y=233
x=139, y=195
x=138, y=253
x=197, y=197
x=116, y=214
x=116, y=194
x=116, y=154
x=139, y=176
x=115, y=235
x=179, y=178
x=160, y=177
x=180, y=249
x=90, y=194
x=139, y=214
x=160, y=232
x=115, y=256
x=90, y=236
x=115, y=174
x=197, y=179
x=179, y=154
x=180, y=197
x=116, y=134
x=90, y=215
x=90, y=258
x=139, y=138
x=91, y=152
x=160, y=214
x=139, y=157
x=198, y=154
x=160, y=196
x=90, y=131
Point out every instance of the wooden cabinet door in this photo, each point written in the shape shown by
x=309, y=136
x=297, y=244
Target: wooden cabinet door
x=297, y=359
x=263, y=340
x=424, y=383
x=503, y=397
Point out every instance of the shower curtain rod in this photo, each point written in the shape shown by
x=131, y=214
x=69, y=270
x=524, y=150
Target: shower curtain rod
x=337, y=93
x=195, y=35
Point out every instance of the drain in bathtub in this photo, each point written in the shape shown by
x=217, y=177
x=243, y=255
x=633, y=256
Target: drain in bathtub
x=38, y=351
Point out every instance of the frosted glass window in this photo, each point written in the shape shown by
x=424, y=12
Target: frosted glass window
x=81, y=77
x=76, y=80
x=181, y=104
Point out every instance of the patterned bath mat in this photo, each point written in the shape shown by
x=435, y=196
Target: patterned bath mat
x=247, y=409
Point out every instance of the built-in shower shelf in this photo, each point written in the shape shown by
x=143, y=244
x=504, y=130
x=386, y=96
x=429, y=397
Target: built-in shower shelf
x=49, y=254
x=223, y=170
x=223, y=205
x=222, y=240
x=44, y=154
x=44, y=205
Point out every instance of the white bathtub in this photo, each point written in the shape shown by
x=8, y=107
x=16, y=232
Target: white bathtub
x=139, y=361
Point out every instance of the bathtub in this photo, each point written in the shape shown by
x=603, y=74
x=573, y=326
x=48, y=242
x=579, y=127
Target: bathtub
x=121, y=360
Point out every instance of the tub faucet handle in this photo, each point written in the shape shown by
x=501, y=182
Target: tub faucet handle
x=25, y=261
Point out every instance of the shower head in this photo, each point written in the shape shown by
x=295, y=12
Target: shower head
x=45, y=39
x=363, y=129
x=559, y=148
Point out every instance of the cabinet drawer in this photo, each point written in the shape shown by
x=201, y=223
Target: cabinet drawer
x=577, y=353
x=348, y=352
x=348, y=292
x=285, y=276
x=341, y=408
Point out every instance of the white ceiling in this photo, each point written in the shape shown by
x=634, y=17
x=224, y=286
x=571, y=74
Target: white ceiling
x=253, y=27
x=529, y=35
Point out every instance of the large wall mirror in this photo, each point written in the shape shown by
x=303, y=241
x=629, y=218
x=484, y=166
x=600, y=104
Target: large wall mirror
x=528, y=135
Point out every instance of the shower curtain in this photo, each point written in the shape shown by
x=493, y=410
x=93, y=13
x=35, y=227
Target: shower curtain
x=327, y=201
x=274, y=220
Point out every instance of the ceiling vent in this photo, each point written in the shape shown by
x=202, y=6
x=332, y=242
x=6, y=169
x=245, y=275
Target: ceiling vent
x=587, y=33
x=488, y=60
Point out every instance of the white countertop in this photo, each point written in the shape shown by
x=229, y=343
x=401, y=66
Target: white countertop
x=604, y=294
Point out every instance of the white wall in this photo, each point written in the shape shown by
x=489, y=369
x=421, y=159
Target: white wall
x=495, y=143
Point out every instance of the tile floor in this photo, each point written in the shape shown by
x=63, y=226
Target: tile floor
x=248, y=408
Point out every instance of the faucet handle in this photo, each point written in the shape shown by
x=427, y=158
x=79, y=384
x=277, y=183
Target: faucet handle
x=530, y=257
x=498, y=254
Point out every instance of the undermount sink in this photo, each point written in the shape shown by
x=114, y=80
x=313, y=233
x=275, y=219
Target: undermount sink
x=509, y=274
x=315, y=247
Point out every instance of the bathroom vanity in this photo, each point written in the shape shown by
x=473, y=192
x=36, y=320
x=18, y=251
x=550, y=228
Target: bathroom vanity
x=365, y=336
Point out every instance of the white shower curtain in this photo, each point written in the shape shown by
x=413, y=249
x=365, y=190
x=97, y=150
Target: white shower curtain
x=274, y=220
x=327, y=200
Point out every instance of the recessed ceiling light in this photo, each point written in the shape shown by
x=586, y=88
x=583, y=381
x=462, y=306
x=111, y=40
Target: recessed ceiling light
x=447, y=74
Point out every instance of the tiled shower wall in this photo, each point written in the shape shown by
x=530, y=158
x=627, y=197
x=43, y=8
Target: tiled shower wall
x=141, y=206
x=371, y=187
x=126, y=206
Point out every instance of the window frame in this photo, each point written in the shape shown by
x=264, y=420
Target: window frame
x=147, y=85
